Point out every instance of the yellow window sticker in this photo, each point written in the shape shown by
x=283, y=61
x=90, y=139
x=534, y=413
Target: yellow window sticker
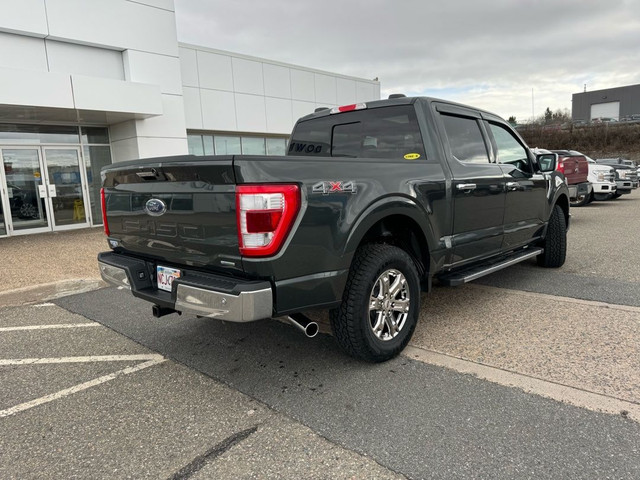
x=412, y=156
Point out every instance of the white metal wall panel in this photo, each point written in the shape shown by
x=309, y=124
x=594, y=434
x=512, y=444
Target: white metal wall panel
x=24, y=16
x=115, y=23
x=300, y=109
x=218, y=110
x=155, y=69
x=192, y=108
x=127, y=149
x=170, y=124
x=122, y=130
x=277, y=81
x=189, y=67
x=165, y=4
x=247, y=76
x=214, y=71
x=107, y=95
x=31, y=88
x=91, y=61
x=609, y=110
x=18, y=51
x=279, y=117
x=250, y=110
x=161, y=147
x=325, y=87
x=346, y=91
x=302, y=85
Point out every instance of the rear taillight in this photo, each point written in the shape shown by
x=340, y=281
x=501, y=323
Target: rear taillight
x=560, y=167
x=103, y=203
x=265, y=215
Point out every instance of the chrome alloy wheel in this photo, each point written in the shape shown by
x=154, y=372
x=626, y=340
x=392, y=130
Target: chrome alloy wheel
x=389, y=304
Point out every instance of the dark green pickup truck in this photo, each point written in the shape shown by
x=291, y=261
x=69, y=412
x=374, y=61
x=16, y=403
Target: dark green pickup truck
x=372, y=202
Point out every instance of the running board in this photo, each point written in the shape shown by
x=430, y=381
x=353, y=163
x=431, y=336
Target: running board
x=465, y=276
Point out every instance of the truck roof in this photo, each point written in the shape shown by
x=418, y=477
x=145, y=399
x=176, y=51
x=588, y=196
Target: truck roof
x=396, y=101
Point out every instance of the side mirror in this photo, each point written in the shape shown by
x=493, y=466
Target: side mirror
x=547, y=162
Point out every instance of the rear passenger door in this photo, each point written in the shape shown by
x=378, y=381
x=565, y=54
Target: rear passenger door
x=478, y=185
x=525, y=190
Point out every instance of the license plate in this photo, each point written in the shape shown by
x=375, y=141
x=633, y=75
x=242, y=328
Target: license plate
x=166, y=276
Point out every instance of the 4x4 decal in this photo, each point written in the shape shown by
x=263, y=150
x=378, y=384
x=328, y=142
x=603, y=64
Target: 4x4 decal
x=335, y=187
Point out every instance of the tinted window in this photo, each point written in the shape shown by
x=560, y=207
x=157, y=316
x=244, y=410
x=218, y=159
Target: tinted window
x=389, y=132
x=509, y=149
x=465, y=139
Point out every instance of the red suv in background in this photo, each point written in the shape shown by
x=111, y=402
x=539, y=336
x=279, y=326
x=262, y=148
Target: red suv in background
x=575, y=167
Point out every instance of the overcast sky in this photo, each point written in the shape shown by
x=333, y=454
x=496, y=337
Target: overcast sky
x=487, y=53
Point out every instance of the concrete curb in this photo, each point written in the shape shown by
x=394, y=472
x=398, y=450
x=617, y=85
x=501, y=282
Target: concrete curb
x=48, y=291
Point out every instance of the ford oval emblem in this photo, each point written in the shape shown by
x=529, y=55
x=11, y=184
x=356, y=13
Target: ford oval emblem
x=155, y=207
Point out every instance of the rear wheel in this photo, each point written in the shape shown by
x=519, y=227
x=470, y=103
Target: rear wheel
x=555, y=243
x=380, y=304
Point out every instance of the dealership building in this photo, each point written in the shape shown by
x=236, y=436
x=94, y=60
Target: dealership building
x=84, y=84
x=616, y=103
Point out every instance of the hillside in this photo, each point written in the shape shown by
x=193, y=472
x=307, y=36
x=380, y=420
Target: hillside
x=599, y=141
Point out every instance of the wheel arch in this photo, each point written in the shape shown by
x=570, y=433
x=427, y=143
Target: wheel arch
x=398, y=222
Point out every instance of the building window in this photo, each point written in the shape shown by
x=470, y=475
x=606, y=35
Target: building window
x=227, y=145
x=276, y=146
x=235, y=145
x=253, y=146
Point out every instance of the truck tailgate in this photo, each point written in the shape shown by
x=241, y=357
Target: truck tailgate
x=177, y=210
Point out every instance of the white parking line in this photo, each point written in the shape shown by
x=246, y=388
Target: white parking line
x=78, y=388
x=87, y=359
x=46, y=327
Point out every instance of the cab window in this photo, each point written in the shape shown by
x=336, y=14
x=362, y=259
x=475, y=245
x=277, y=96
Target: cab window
x=465, y=139
x=509, y=150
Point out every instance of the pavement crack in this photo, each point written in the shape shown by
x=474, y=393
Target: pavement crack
x=201, y=460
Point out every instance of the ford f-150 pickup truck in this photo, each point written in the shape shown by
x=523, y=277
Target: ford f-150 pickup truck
x=372, y=203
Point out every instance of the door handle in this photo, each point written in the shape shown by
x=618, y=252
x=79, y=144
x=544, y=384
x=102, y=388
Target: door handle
x=512, y=185
x=466, y=186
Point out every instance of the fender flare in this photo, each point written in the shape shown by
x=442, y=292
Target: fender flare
x=385, y=207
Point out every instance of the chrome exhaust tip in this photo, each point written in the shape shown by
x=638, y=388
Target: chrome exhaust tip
x=304, y=324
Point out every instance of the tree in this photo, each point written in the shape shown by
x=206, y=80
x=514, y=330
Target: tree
x=512, y=120
x=548, y=115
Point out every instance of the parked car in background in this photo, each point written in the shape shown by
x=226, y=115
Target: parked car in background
x=579, y=123
x=575, y=167
x=604, y=120
x=634, y=118
x=603, y=180
x=626, y=175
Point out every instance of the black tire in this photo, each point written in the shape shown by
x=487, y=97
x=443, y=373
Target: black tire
x=352, y=323
x=616, y=195
x=591, y=197
x=580, y=200
x=555, y=243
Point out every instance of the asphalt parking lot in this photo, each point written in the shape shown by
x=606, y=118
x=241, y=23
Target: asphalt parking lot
x=528, y=373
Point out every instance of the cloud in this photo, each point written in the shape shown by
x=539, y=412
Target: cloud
x=490, y=53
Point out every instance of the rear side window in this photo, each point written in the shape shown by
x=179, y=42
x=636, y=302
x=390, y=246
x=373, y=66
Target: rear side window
x=388, y=132
x=465, y=139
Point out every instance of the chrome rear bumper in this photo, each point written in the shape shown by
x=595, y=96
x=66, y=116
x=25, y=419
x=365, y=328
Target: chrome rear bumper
x=253, y=304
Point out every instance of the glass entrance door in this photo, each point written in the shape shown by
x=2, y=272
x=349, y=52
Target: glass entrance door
x=25, y=194
x=44, y=190
x=65, y=192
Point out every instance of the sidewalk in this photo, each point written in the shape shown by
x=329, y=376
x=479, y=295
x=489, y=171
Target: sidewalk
x=47, y=265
